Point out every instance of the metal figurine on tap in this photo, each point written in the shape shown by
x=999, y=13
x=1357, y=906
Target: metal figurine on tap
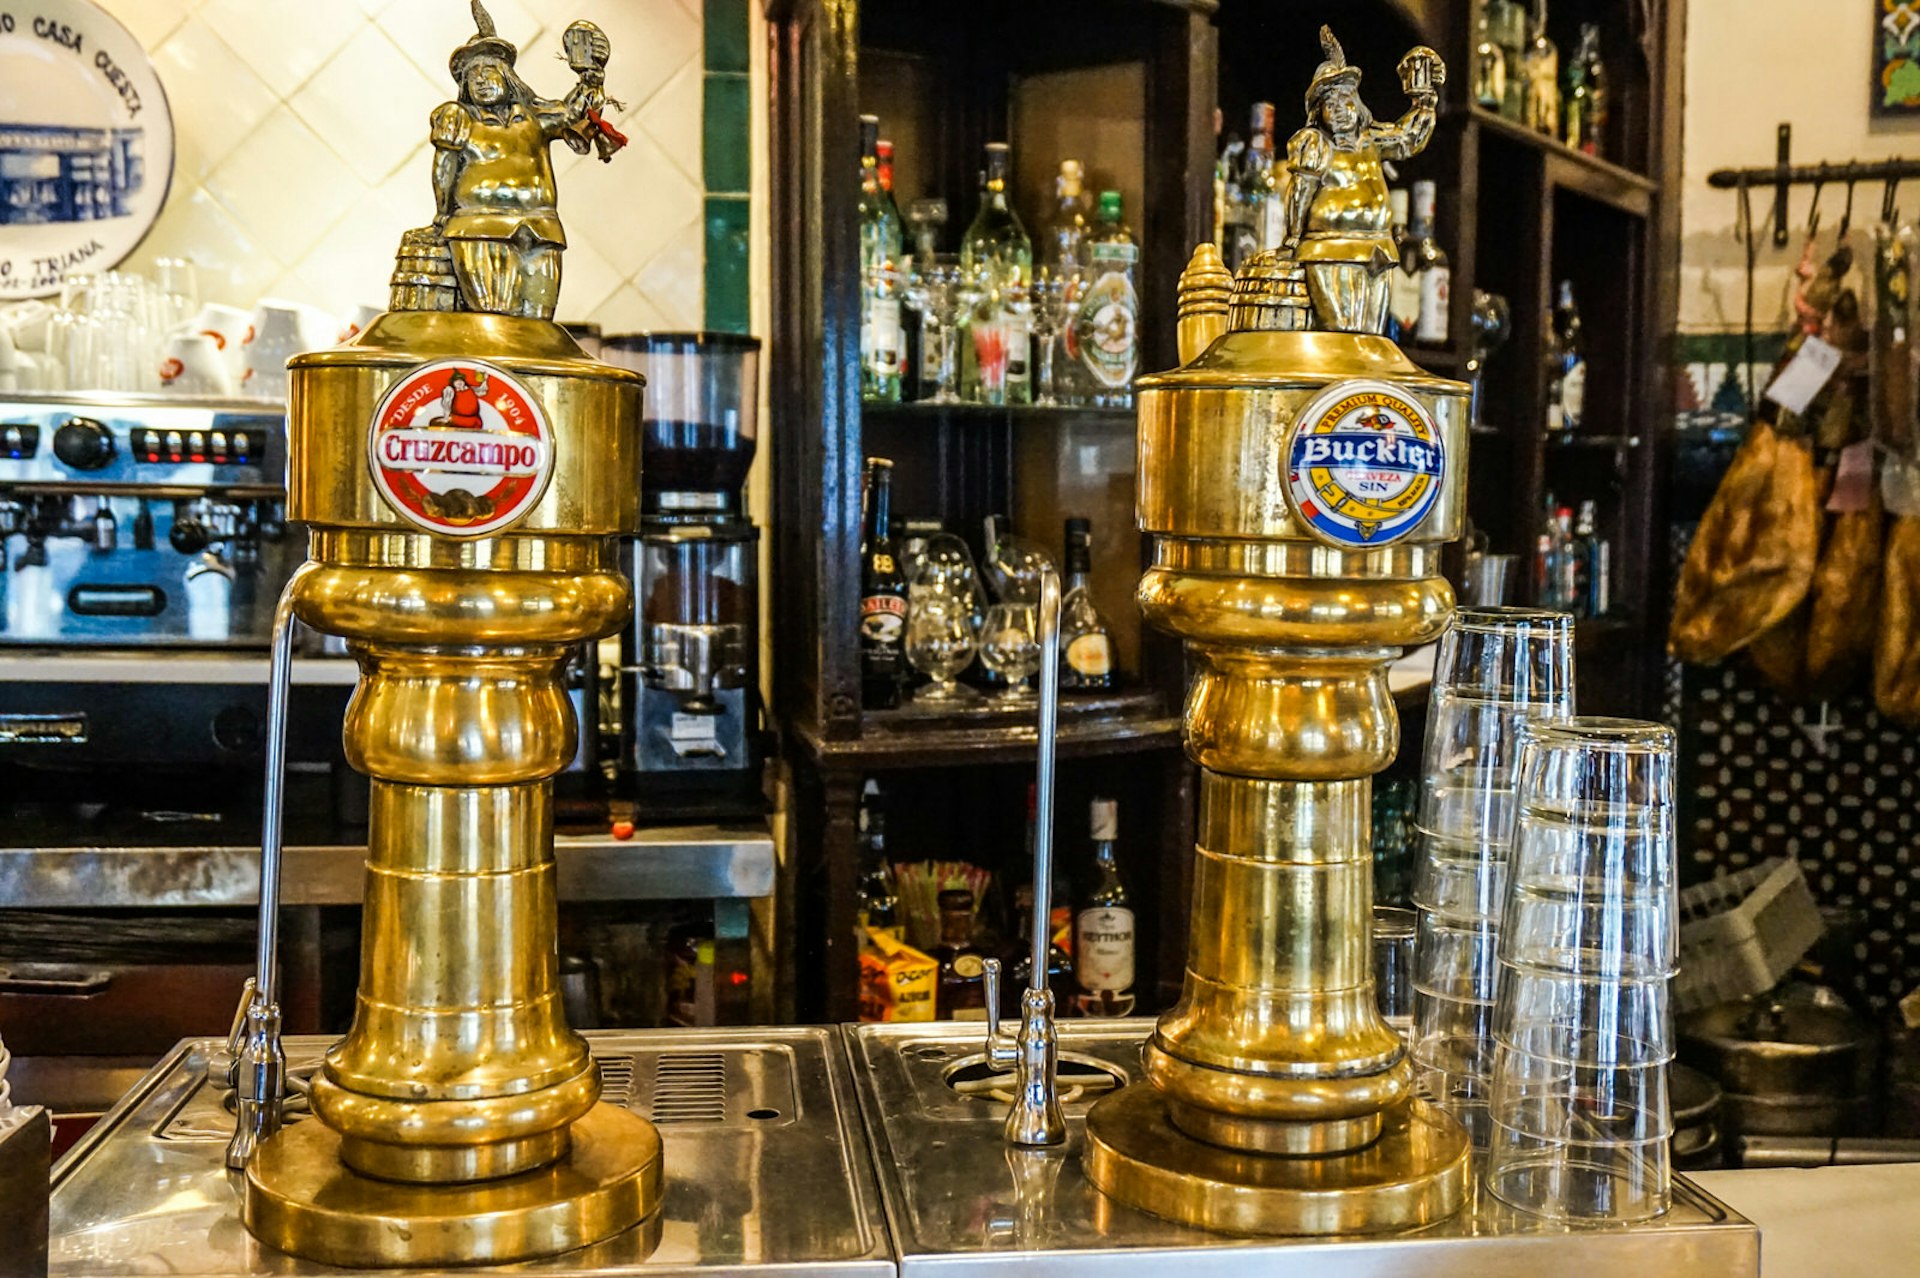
x=463, y=470
x=1338, y=225
x=1299, y=477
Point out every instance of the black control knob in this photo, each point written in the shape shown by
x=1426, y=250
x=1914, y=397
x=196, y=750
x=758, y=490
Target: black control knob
x=83, y=443
x=188, y=535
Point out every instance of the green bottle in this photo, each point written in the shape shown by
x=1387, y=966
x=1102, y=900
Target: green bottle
x=1108, y=323
x=882, y=280
x=998, y=255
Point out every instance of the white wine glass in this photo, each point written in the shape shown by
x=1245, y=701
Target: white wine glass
x=940, y=644
x=1010, y=647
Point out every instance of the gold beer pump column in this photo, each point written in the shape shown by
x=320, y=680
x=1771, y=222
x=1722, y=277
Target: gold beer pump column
x=463, y=469
x=1299, y=477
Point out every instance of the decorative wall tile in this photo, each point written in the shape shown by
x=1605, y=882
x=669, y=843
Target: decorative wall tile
x=209, y=124
x=285, y=43
x=375, y=102
x=672, y=119
x=429, y=32
x=286, y=184
x=302, y=154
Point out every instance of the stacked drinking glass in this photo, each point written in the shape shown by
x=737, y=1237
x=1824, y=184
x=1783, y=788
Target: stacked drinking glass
x=1498, y=669
x=1588, y=946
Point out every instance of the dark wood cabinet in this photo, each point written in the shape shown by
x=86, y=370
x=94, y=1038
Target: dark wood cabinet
x=1131, y=88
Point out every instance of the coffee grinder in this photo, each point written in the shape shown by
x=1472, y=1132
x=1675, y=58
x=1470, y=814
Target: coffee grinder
x=689, y=660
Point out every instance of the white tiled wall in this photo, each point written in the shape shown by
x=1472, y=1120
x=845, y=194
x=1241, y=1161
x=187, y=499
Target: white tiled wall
x=301, y=148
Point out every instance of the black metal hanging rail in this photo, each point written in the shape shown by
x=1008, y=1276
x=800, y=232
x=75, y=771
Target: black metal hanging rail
x=1816, y=174
x=1784, y=174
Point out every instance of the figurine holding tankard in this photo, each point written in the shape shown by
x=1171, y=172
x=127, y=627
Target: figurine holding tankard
x=1338, y=224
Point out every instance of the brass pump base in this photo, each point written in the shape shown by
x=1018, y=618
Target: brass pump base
x=1414, y=1174
x=301, y=1198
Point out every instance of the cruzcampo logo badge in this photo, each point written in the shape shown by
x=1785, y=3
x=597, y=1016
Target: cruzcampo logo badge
x=1366, y=464
x=460, y=448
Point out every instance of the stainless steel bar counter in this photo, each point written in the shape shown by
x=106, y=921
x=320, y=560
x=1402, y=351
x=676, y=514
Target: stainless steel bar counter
x=960, y=1201
x=766, y=1165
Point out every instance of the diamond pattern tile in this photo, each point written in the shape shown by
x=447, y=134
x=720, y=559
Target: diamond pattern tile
x=629, y=228
x=209, y=124
x=286, y=184
x=671, y=118
x=302, y=154
x=151, y=21
x=367, y=96
x=428, y=31
x=284, y=41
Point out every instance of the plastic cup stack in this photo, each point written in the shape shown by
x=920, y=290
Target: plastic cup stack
x=1588, y=947
x=1498, y=670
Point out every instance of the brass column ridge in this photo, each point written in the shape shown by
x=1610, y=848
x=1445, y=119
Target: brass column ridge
x=1299, y=477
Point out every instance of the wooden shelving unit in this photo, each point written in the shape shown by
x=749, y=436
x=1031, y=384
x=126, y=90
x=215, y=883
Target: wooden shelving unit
x=1130, y=87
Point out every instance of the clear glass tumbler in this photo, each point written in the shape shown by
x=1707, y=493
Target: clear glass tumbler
x=1588, y=946
x=1498, y=670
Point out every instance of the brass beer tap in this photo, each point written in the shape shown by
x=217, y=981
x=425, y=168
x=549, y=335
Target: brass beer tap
x=462, y=470
x=1298, y=477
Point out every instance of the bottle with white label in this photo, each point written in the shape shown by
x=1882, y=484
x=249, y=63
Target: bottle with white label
x=1567, y=390
x=1103, y=949
x=1108, y=325
x=1086, y=644
x=1435, y=275
x=1403, y=292
x=882, y=282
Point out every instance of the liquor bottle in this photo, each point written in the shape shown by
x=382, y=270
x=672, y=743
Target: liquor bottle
x=1585, y=106
x=1064, y=248
x=1403, y=294
x=883, y=599
x=1507, y=25
x=1019, y=960
x=1595, y=583
x=1567, y=387
x=1108, y=323
x=1430, y=264
x=998, y=254
x=1566, y=561
x=1086, y=644
x=1489, y=64
x=927, y=218
x=962, y=991
x=882, y=242
x=909, y=332
x=1103, y=934
x=878, y=906
x=1540, y=66
x=1252, y=202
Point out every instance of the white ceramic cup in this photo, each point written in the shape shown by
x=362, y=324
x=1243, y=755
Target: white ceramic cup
x=229, y=327
x=194, y=365
x=362, y=316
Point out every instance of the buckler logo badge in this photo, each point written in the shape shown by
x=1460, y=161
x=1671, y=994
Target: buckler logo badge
x=1365, y=465
x=460, y=448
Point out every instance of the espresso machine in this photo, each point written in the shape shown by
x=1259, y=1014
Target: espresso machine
x=689, y=660
x=143, y=541
x=140, y=521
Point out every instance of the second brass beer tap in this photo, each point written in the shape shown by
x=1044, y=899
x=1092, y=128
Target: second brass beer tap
x=1299, y=477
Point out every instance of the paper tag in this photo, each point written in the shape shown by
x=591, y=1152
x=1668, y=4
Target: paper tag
x=1853, y=479
x=1804, y=375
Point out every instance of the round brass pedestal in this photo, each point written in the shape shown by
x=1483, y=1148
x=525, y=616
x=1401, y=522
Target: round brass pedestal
x=1413, y=1175
x=302, y=1199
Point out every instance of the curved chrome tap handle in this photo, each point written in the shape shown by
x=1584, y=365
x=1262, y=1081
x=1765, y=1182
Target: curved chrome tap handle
x=1035, y=1118
x=260, y=1064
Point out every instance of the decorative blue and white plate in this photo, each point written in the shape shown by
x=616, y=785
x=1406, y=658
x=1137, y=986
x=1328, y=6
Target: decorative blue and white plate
x=86, y=144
